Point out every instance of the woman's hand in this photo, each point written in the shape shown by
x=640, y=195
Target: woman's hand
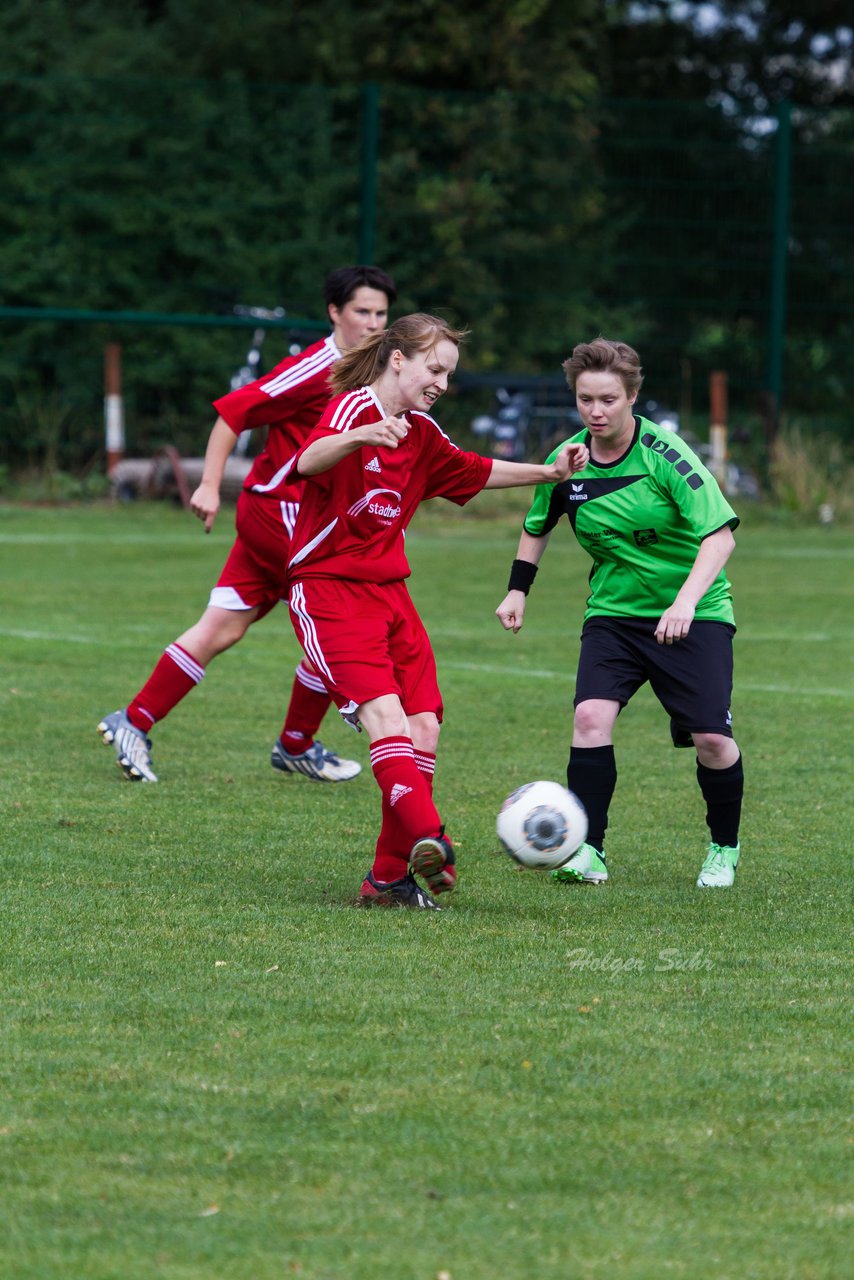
x=382, y=435
x=675, y=623
x=511, y=611
x=205, y=503
x=322, y=454
x=572, y=458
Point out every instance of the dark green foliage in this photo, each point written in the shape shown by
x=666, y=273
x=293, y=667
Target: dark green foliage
x=165, y=196
x=750, y=54
x=545, y=172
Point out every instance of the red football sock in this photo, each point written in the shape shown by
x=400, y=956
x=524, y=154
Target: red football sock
x=426, y=762
x=391, y=859
x=307, y=707
x=408, y=809
x=175, y=675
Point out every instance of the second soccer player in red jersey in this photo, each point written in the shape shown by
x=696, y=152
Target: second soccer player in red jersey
x=375, y=455
x=289, y=401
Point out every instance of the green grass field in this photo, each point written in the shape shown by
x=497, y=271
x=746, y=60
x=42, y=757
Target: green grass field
x=212, y=1065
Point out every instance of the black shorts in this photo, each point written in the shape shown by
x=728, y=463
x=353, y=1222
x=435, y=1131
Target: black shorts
x=692, y=678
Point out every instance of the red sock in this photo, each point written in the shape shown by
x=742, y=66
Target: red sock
x=408, y=809
x=391, y=859
x=175, y=675
x=426, y=762
x=307, y=707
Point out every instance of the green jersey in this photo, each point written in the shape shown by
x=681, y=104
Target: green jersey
x=641, y=519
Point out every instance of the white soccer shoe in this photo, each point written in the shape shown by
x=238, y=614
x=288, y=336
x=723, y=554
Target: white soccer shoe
x=318, y=763
x=132, y=748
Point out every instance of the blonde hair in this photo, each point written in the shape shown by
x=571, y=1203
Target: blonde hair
x=604, y=356
x=363, y=364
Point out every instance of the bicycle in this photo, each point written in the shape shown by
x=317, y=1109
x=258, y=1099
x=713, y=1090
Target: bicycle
x=251, y=367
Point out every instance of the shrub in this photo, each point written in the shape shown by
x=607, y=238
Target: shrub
x=810, y=476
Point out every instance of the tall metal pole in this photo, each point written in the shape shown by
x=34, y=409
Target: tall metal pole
x=780, y=259
x=370, y=132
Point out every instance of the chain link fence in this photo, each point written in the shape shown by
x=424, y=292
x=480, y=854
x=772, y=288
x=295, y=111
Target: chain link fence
x=537, y=222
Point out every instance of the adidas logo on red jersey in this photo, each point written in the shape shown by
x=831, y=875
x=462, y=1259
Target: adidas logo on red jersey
x=374, y=464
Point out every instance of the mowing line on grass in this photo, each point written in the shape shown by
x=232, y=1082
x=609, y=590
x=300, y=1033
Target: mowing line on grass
x=800, y=553
x=538, y=674
x=789, y=637
x=154, y=539
x=50, y=637
x=487, y=669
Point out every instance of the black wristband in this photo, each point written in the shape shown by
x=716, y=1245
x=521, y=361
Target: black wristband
x=522, y=575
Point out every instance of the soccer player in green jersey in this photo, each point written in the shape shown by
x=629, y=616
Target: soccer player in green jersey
x=659, y=532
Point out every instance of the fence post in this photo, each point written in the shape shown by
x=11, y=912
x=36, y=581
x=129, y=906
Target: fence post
x=370, y=132
x=779, y=263
x=114, y=417
x=718, y=412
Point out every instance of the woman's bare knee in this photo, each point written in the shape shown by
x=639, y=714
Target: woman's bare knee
x=424, y=729
x=383, y=718
x=216, y=630
x=593, y=724
x=715, y=751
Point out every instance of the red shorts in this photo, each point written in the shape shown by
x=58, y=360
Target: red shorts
x=366, y=641
x=255, y=574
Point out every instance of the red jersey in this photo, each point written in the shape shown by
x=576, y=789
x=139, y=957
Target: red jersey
x=353, y=517
x=289, y=400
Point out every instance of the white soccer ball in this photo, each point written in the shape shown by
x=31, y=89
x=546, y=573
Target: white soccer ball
x=541, y=825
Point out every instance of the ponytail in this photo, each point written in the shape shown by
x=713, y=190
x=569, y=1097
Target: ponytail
x=409, y=334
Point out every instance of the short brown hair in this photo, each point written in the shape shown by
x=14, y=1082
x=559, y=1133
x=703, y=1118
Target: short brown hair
x=340, y=285
x=604, y=356
x=363, y=364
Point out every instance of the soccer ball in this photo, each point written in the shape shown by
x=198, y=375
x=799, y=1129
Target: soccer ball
x=541, y=825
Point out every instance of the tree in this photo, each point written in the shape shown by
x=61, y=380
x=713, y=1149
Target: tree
x=530, y=46
x=545, y=171
x=714, y=246
x=745, y=55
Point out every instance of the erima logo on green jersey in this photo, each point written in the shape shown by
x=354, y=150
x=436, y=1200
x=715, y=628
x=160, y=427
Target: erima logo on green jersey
x=577, y=493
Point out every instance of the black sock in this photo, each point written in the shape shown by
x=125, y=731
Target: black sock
x=722, y=790
x=592, y=775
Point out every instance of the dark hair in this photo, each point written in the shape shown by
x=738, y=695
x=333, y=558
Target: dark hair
x=409, y=334
x=340, y=285
x=604, y=356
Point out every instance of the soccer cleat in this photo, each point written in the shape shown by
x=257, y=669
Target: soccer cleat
x=318, y=763
x=433, y=859
x=586, y=866
x=719, y=868
x=397, y=893
x=132, y=748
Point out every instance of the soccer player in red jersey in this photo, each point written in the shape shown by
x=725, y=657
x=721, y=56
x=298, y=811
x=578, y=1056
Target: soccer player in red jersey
x=289, y=401
x=374, y=456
